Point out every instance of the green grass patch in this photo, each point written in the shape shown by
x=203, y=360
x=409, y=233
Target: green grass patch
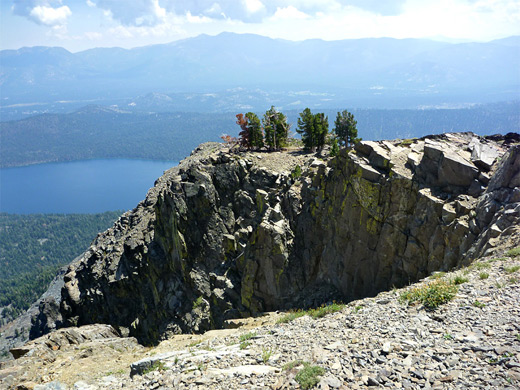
x=247, y=336
x=513, y=252
x=291, y=316
x=512, y=280
x=308, y=376
x=479, y=304
x=483, y=275
x=314, y=313
x=156, y=366
x=437, y=275
x=459, y=280
x=512, y=269
x=244, y=344
x=324, y=310
x=481, y=265
x=293, y=364
x=407, y=142
x=498, y=259
x=430, y=295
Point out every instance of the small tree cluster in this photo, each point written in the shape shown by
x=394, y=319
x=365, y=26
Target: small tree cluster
x=274, y=125
x=313, y=129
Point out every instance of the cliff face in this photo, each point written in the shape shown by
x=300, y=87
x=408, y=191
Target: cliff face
x=227, y=235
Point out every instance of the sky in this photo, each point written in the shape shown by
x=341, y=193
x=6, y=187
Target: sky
x=82, y=24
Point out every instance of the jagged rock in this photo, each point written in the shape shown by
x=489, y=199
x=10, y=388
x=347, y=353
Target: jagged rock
x=227, y=235
x=48, y=318
x=483, y=155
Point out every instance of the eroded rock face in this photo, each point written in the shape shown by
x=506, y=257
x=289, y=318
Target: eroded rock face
x=221, y=236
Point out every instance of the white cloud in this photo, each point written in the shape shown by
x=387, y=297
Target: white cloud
x=253, y=6
x=289, y=12
x=91, y=4
x=50, y=16
x=44, y=12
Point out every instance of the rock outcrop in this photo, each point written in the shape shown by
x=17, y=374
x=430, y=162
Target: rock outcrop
x=225, y=235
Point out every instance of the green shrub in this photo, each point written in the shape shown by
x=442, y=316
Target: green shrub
x=296, y=172
x=266, y=354
x=307, y=377
x=431, y=295
x=244, y=344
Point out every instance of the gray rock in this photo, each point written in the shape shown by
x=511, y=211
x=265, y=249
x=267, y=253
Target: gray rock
x=483, y=155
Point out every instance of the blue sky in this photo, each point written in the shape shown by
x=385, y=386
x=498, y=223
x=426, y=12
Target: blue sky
x=83, y=24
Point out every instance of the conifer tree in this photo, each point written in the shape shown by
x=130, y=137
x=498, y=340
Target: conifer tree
x=256, y=136
x=306, y=128
x=313, y=128
x=345, y=128
x=321, y=129
x=276, y=129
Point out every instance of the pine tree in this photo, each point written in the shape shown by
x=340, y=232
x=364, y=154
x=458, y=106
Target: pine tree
x=345, y=128
x=256, y=136
x=334, y=148
x=321, y=129
x=276, y=129
x=306, y=128
x=313, y=128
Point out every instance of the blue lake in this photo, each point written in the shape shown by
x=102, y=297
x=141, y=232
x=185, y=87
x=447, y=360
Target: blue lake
x=90, y=186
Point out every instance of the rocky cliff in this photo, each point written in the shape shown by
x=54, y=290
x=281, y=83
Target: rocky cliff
x=225, y=235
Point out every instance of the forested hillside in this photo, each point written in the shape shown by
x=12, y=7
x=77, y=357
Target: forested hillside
x=33, y=247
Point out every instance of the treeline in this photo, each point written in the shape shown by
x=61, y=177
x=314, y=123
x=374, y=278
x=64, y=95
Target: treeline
x=273, y=130
x=33, y=247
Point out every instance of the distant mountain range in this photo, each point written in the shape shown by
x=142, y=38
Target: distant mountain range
x=380, y=72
